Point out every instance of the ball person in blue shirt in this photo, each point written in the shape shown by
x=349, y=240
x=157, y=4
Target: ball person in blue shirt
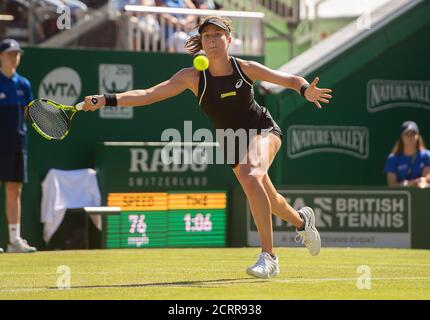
x=15, y=94
x=409, y=162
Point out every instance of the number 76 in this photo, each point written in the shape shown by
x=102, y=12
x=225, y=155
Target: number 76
x=137, y=222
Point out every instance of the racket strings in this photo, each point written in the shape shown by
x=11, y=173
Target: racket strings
x=50, y=120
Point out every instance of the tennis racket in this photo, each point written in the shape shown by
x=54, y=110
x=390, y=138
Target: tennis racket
x=52, y=120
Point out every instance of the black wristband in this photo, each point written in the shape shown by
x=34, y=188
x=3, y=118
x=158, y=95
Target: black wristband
x=303, y=89
x=111, y=100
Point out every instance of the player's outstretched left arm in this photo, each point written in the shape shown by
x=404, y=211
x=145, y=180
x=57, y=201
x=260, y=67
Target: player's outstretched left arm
x=177, y=84
x=312, y=93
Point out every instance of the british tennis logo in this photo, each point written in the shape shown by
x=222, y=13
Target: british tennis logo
x=348, y=218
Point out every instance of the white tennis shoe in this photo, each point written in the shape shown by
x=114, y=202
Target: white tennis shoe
x=1, y=250
x=310, y=235
x=265, y=267
x=20, y=246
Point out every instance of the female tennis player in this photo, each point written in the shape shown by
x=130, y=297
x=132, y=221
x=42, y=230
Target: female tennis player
x=225, y=93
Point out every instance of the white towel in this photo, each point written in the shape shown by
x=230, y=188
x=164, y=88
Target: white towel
x=62, y=190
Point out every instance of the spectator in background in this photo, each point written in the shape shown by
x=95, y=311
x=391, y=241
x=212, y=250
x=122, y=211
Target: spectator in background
x=74, y=5
x=122, y=3
x=15, y=94
x=19, y=9
x=177, y=26
x=205, y=4
x=149, y=26
x=45, y=13
x=181, y=21
x=94, y=4
x=408, y=164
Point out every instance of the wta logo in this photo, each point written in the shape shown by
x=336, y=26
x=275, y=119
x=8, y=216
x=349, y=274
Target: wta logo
x=62, y=84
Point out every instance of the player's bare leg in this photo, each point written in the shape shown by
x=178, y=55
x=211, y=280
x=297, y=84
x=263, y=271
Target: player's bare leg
x=259, y=204
x=280, y=206
x=267, y=264
x=303, y=220
x=250, y=176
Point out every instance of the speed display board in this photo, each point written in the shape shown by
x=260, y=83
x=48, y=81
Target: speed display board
x=177, y=219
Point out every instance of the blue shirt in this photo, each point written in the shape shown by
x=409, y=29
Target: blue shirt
x=400, y=164
x=15, y=94
x=122, y=3
x=175, y=3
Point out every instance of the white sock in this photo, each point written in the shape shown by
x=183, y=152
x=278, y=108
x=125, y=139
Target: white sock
x=14, y=232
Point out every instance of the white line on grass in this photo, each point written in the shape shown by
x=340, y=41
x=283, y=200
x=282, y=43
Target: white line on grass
x=348, y=279
x=104, y=287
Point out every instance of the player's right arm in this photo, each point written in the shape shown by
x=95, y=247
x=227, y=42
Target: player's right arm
x=178, y=83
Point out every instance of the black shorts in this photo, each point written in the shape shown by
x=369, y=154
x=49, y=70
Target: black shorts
x=13, y=167
x=240, y=153
x=276, y=130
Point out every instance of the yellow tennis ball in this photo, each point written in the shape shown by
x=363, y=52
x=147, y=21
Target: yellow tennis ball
x=201, y=62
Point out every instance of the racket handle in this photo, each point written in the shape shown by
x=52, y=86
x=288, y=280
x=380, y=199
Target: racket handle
x=94, y=101
x=79, y=106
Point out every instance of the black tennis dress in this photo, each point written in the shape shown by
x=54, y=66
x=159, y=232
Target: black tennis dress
x=229, y=103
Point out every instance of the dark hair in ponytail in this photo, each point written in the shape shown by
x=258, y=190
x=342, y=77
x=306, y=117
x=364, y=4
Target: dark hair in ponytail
x=194, y=43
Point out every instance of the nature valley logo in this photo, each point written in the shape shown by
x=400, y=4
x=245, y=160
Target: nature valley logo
x=387, y=94
x=306, y=140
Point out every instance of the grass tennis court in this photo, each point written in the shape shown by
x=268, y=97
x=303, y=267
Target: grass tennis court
x=215, y=274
